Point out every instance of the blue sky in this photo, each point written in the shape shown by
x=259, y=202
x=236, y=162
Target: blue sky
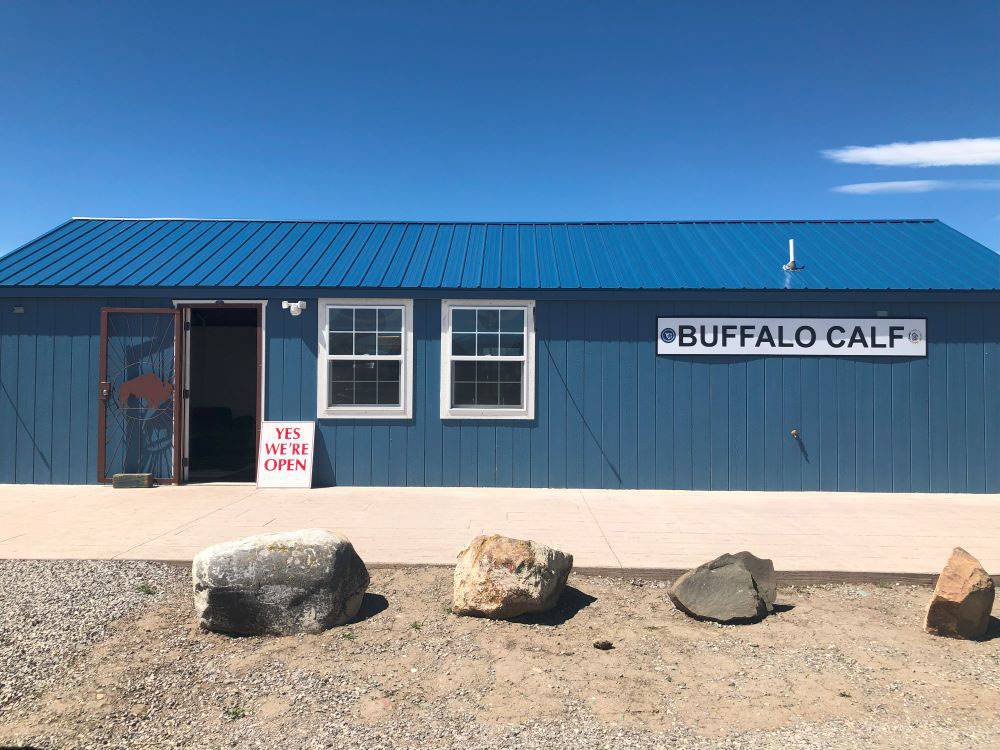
x=472, y=110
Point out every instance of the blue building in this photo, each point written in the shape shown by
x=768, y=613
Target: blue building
x=682, y=355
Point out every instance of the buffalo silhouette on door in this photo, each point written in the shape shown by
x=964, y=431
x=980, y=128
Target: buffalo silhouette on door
x=146, y=387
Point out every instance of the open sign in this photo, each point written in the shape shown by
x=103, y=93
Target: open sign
x=285, y=457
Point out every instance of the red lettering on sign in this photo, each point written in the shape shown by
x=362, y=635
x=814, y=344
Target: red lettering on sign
x=285, y=464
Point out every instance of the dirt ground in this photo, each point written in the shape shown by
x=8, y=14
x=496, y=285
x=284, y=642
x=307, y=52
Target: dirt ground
x=836, y=666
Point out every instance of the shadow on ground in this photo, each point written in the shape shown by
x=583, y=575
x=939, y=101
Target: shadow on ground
x=992, y=630
x=371, y=605
x=571, y=602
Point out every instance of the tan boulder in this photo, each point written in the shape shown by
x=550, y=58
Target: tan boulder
x=500, y=578
x=963, y=599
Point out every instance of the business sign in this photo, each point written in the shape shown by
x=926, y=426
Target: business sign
x=837, y=337
x=285, y=458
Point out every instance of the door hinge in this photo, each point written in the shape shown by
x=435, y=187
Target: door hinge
x=185, y=462
x=187, y=393
x=187, y=325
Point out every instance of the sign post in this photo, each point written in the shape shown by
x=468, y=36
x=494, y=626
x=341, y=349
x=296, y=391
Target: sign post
x=285, y=458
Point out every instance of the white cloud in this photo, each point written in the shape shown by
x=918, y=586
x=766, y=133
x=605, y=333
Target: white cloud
x=959, y=152
x=916, y=186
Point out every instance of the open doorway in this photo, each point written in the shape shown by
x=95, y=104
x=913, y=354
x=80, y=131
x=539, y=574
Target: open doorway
x=223, y=392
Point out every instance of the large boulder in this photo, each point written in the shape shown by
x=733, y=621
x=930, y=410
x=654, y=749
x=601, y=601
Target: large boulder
x=500, y=578
x=963, y=599
x=730, y=588
x=279, y=584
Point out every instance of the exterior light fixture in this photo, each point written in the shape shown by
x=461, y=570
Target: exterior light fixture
x=295, y=308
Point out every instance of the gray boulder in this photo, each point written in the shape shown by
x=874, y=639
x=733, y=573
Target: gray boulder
x=762, y=571
x=730, y=588
x=279, y=584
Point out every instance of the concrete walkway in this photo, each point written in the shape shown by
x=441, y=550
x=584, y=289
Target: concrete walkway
x=633, y=530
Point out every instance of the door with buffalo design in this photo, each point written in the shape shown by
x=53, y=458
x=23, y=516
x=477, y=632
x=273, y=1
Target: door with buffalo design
x=138, y=410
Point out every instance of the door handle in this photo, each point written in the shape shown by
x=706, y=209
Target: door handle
x=104, y=390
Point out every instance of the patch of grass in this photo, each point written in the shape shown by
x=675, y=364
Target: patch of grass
x=844, y=694
x=349, y=635
x=145, y=588
x=883, y=584
x=416, y=624
x=233, y=713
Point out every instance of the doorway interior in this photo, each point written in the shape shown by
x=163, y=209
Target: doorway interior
x=222, y=389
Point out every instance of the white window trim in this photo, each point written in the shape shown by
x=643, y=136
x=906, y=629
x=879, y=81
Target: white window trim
x=405, y=409
x=527, y=411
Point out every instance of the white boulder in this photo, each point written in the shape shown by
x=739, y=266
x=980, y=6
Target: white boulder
x=500, y=578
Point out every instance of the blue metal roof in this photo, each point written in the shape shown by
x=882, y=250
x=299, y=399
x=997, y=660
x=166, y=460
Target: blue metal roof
x=188, y=253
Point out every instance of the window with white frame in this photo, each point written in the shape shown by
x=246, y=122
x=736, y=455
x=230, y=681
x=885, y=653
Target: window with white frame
x=365, y=358
x=487, y=359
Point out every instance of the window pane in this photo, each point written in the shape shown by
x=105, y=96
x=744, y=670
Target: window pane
x=389, y=343
x=488, y=320
x=388, y=370
x=512, y=321
x=463, y=320
x=486, y=384
x=487, y=344
x=465, y=371
x=358, y=335
x=487, y=394
x=390, y=319
x=487, y=371
x=510, y=394
x=341, y=370
x=364, y=319
x=365, y=393
x=463, y=344
x=341, y=319
x=388, y=393
x=341, y=393
x=509, y=372
x=364, y=343
x=464, y=394
x=364, y=371
x=511, y=344
x=341, y=343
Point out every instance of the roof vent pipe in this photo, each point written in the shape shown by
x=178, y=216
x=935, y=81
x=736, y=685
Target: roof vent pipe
x=791, y=264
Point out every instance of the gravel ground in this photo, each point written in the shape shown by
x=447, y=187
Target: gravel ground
x=98, y=663
x=53, y=610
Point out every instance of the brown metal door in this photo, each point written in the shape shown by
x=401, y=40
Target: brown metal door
x=138, y=414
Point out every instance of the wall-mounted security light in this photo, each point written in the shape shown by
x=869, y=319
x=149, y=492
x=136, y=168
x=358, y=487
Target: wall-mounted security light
x=295, y=308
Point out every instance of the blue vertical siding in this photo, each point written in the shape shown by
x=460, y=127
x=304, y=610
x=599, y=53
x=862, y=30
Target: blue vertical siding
x=48, y=388
x=609, y=412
